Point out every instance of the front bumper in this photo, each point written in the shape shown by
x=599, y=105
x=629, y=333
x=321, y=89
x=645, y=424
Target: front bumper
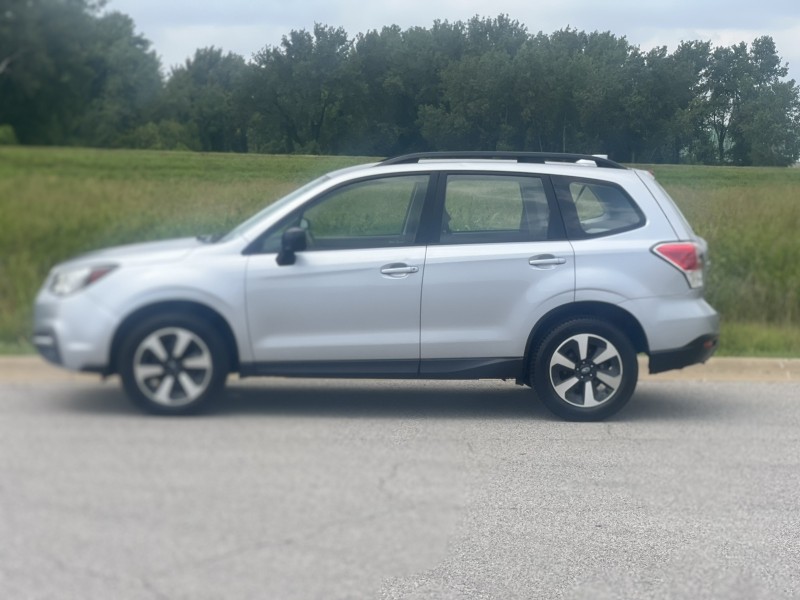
x=697, y=351
x=74, y=332
x=46, y=343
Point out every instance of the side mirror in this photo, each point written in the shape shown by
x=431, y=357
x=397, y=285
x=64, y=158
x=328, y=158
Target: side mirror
x=293, y=240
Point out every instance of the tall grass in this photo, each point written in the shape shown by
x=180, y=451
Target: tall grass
x=55, y=203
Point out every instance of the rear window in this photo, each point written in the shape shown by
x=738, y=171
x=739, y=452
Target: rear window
x=594, y=209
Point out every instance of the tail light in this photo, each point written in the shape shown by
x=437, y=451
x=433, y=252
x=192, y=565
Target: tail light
x=684, y=256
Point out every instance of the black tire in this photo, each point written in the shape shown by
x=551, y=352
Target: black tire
x=173, y=364
x=584, y=370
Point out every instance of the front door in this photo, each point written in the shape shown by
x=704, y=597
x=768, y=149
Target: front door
x=353, y=296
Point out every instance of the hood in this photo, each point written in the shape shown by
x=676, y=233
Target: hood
x=138, y=254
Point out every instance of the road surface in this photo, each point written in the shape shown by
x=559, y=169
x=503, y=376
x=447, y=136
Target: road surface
x=363, y=489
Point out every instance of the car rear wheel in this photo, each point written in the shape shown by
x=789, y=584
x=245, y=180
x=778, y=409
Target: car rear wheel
x=173, y=364
x=585, y=370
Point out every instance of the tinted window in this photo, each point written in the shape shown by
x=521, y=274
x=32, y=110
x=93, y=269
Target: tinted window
x=595, y=209
x=485, y=208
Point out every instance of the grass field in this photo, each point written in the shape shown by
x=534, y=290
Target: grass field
x=55, y=203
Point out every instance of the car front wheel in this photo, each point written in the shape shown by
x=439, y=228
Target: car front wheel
x=173, y=364
x=585, y=370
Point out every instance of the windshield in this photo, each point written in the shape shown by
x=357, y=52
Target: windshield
x=268, y=210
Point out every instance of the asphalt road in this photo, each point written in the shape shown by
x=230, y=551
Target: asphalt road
x=363, y=489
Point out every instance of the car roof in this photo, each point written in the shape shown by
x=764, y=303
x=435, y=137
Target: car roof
x=585, y=166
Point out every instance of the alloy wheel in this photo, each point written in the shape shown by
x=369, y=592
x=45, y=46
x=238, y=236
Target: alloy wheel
x=586, y=370
x=173, y=366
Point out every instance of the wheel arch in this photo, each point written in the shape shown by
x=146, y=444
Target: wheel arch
x=610, y=313
x=195, y=309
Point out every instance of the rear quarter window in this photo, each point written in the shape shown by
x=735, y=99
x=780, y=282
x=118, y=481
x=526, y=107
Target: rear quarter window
x=594, y=209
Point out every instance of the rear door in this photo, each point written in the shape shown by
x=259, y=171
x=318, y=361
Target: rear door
x=500, y=262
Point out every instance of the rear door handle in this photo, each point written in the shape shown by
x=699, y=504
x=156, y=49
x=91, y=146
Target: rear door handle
x=398, y=269
x=546, y=260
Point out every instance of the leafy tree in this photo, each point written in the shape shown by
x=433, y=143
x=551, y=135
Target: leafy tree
x=726, y=72
x=399, y=72
x=547, y=67
x=205, y=95
x=45, y=76
x=752, y=113
x=297, y=91
x=70, y=75
x=384, y=113
x=477, y=108
x=501, y=34
x=125, y=83
x=612, y=72
x=765, y=127
x=685, y=137
x=393, y=75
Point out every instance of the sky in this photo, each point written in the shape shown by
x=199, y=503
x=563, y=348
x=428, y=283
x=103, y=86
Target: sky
x=177, y=28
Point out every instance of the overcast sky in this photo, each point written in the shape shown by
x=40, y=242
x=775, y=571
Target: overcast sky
x=178, y=27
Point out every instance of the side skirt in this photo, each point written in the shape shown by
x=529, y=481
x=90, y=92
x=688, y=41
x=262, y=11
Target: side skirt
x=455, y=368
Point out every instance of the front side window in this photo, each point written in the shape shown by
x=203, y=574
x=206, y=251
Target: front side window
x=596, y=209
x=488, y=208
x=372, y=213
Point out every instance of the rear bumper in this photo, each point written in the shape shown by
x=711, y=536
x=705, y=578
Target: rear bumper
x=697, y=351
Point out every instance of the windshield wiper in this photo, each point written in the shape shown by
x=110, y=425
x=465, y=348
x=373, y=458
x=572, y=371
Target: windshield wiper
x=209, y=238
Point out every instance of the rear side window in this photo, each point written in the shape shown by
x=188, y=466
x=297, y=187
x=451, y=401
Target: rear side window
x=491, y=208
x=594, y=209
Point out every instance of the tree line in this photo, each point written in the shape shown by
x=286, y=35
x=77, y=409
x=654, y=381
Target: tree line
x=72, y=74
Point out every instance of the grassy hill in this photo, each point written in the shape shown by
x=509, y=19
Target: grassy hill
x=57, y=202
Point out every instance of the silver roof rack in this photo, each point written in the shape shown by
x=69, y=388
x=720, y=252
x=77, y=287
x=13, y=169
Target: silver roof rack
x=520, y=157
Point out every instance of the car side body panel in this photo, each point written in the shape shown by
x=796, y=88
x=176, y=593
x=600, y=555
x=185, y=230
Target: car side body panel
x=482, y=300
x=336, y=305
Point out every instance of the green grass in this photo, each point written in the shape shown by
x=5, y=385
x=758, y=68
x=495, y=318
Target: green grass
x=55, y=203
x=759, y=339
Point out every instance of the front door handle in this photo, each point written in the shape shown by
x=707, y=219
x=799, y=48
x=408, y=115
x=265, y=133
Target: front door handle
x=398, y=269
x=546, y=260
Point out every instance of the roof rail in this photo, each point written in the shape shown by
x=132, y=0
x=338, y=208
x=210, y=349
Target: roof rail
x=520, y=157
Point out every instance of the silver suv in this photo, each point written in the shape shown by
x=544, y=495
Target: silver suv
x=553, y=270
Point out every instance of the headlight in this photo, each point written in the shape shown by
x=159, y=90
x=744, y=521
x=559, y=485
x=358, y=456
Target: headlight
x=72, y=280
